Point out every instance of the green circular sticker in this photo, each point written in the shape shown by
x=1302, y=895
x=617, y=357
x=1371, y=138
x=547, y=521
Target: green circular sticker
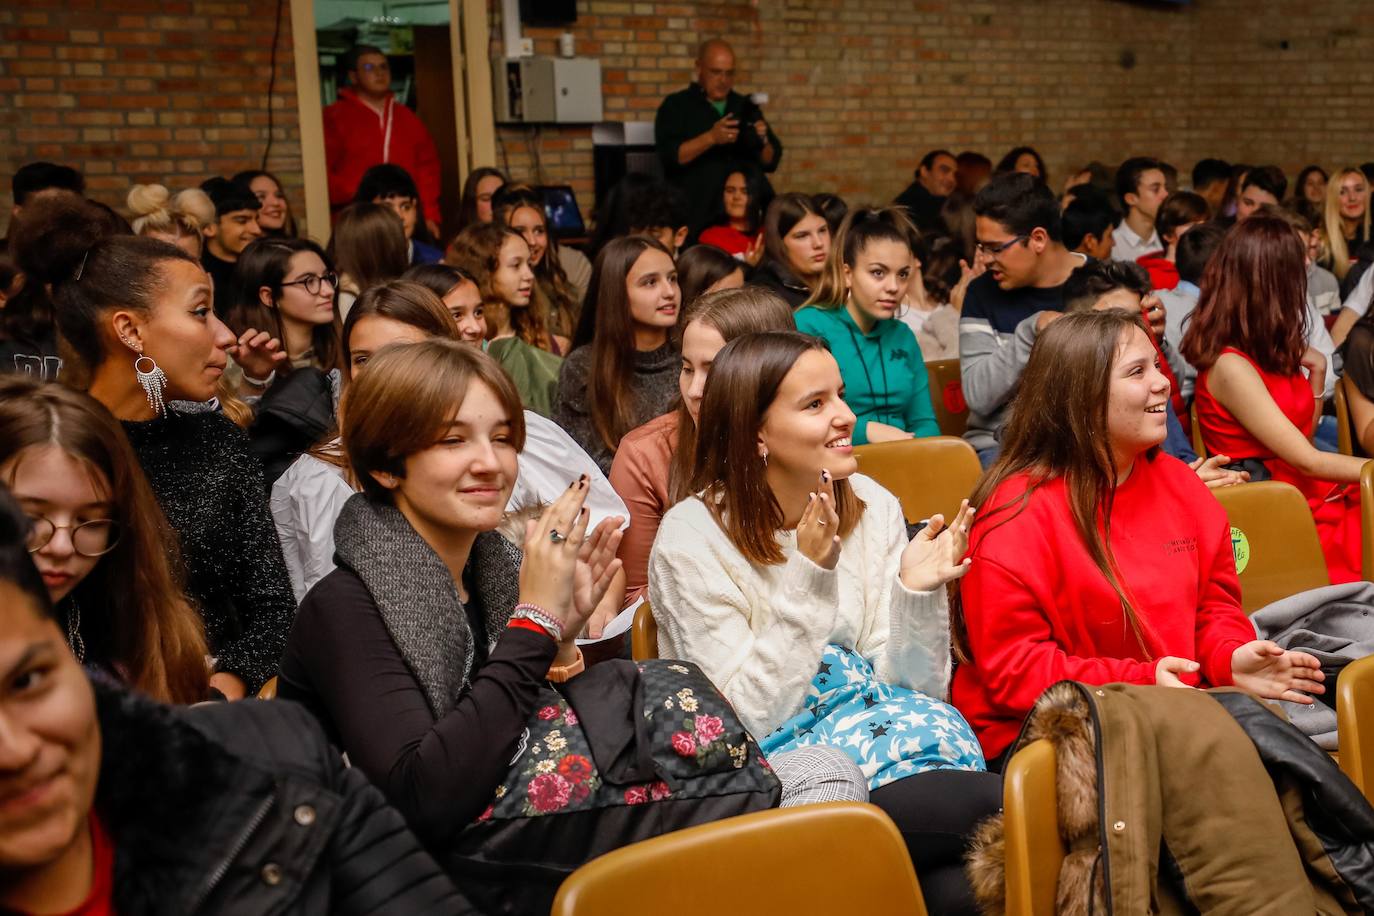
x=1240, y=546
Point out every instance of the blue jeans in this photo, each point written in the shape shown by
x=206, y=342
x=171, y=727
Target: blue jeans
x=987, y=456
x=1325, y=439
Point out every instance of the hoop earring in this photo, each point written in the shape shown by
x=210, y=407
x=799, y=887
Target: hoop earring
x=153, y=380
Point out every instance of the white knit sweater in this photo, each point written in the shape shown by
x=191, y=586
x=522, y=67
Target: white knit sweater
x=758, y=631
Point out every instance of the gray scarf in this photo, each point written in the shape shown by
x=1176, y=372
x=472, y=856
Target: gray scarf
x=417, y=598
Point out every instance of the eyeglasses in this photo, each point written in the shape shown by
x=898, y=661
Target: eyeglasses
x=994, y=250
x=374, y=68
x=311, y=282
x=89, y=539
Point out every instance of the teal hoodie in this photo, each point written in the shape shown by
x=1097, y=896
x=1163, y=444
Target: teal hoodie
x=884, y=374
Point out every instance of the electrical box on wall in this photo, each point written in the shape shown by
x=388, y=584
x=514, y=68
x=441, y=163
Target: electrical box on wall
x=547, y=90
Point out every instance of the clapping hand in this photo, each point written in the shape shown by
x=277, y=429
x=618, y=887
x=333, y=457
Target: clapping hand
x=1169, y=671
x=1267, y=670
x=597, y=565
x=818, y=532
x=933, y=557
x=1212, y=472
x=551, y=546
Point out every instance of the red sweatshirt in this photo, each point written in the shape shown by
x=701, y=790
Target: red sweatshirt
x=357, y=137
x=1163, y=272
x=1039, y=611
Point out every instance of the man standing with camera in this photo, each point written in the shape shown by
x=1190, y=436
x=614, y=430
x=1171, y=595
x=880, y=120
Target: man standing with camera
x=708, y=130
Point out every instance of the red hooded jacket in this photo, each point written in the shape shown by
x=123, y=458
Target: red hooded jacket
x=357, y=137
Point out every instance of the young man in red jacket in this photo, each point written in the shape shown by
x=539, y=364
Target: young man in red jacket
x=367, y=126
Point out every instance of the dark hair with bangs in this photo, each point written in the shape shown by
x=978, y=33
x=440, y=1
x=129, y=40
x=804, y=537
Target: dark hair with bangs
x=265, y=263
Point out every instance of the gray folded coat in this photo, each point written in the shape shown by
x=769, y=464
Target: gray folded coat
x=1335, y=624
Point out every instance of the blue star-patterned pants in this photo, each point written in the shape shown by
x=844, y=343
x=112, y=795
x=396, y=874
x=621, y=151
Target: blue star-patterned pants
x=890, y=732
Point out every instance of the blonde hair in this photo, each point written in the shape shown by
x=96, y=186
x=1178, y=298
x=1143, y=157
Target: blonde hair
x=156, y=210
x=1334, y=232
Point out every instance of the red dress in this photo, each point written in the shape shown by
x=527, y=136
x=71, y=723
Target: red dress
x=1335, y=506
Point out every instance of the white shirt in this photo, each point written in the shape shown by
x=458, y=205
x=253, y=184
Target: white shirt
x=1127, y=246
x=758, y=631
x=307, y=499
x=1359, y=299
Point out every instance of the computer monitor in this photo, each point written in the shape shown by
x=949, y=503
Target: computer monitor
x=562, y=212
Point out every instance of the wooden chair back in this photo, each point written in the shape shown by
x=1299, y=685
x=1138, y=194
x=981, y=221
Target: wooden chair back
x=926, y=475
x=1034, y=849
x=644, y=633
x=947, y=396
x=765, y=862
x=1275, y=542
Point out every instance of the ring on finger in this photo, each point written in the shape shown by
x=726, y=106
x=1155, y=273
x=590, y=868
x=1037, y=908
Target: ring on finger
x=556, y=537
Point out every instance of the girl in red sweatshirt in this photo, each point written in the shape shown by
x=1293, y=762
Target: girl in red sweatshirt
x=1096, y=557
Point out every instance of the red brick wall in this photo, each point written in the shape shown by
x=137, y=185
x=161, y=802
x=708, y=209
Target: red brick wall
x=859, y=91
x=175, y=90
x=146, y=90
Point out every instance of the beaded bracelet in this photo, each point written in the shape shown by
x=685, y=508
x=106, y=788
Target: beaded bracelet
x=534, y=612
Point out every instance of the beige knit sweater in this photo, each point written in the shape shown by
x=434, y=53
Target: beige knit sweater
x=758, y=631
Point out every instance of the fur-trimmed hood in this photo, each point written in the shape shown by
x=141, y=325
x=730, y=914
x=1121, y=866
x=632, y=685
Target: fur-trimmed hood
x=1184, y=800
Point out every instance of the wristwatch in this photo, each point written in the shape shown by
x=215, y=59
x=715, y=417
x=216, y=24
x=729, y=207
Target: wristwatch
x=561, y=673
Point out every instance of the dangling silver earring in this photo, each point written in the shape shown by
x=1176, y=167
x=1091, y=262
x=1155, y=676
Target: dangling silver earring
x=765, y=459
x=153, y=380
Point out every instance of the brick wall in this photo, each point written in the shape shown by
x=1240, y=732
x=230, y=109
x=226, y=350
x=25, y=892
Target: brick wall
x=175, y=90
x=859, y=91
x=146, y=90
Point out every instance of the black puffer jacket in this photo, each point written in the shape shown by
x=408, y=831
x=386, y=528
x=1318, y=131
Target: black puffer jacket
x=780, y=279
x=245, y=808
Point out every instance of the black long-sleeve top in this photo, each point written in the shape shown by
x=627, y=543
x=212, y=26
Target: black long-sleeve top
x=211, y=490
x=343, y=665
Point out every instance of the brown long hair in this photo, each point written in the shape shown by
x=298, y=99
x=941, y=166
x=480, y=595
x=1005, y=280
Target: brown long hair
x=859, y=229
x=1058, y=429
x=732, y=313
x=368, y=245
x=782, y=216
x=1254, y=298
x=134, y=596
x=610, y=383
x=477, y=251
x=728, y=471
x=550, y=280
x=266, y=262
